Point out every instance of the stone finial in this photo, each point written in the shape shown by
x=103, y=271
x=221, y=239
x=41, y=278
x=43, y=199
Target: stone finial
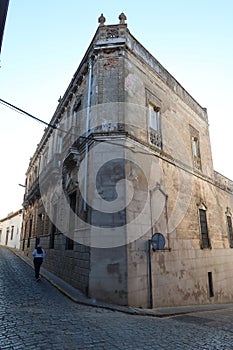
x=122, y=17
x=101, y=20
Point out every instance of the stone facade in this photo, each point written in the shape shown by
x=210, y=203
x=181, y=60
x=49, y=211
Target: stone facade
x=126, y=162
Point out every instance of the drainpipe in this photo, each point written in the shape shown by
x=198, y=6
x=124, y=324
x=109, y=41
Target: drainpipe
x=149, y=256
x=150, y=276
x=87, y=131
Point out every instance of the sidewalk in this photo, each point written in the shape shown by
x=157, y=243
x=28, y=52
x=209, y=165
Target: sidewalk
x=78, y=297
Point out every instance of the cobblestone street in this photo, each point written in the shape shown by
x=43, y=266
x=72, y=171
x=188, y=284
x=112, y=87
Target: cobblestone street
x=37, y=316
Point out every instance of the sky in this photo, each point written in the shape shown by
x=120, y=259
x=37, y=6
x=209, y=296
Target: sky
x=44, y=42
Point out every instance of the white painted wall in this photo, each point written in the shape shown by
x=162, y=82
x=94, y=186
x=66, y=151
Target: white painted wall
x=10, y=230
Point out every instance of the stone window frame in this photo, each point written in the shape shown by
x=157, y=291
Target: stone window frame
x=229, y=226
x=205, y=242
x=195, y=147
x=154, y=135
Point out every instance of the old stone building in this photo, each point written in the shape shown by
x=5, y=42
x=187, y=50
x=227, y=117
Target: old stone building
x=121, y=190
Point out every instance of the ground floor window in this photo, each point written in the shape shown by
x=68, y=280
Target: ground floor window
x=205, y=241
x=230, y=231
x=69, y=243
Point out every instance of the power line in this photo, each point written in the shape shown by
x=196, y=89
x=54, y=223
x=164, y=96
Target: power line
x=19, y=110
x=9, y=105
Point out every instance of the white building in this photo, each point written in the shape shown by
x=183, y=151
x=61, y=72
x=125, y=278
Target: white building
x=10, y=229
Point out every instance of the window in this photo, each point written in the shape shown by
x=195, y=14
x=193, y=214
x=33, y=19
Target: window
x=205, y=242
x=12, y=232
x=77, y=105
x=195, y=143
x=154, y=125
x=154, y=117
x=53, y=228
x=72, y=200
x=52, y=236
x=154, y=105
x=7, y=235
x=40, y=223
x=211, y=286
x=69, y=243
x=59, y=144
x=195, y=147
x=230, y=231
x=30, y=233
x=24, y=236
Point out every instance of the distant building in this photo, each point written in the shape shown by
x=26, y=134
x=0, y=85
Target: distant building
x=3, y=13
x=10, y=229
x=122, y=193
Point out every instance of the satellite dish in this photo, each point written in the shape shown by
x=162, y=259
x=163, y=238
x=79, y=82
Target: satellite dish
x=158, y=241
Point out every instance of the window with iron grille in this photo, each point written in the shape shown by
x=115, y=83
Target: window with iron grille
x=230, y=231
x=205, y=241
x=154, y=126
x=154, y=105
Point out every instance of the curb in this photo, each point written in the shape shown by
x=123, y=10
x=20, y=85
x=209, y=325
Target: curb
x=83, y=300
x=44, y=273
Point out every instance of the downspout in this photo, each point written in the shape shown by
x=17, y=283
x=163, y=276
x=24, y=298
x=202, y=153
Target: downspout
x=149, y=257
x=150, y=276
x=86, y=134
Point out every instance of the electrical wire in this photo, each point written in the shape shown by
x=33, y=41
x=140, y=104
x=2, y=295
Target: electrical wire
x=21, y=111
x=17, y=109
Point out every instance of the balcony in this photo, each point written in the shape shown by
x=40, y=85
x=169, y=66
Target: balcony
x=197, y=162
x=69, y=139
x=155, y=138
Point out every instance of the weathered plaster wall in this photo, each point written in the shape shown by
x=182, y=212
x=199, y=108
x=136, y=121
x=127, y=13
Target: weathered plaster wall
x=179, y=276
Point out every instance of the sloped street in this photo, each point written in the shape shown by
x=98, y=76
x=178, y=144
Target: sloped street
x=38, y=316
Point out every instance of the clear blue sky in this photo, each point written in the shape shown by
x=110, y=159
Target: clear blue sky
x=44, y=42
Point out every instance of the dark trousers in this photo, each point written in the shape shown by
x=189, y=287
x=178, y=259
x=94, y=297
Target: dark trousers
x=37, y=265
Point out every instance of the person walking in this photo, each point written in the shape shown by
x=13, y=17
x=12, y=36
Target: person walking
x=39, y=255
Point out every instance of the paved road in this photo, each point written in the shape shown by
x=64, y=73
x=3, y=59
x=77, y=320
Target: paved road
x=37, y=316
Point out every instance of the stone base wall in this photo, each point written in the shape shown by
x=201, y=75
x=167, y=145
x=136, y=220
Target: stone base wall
x=73, y=266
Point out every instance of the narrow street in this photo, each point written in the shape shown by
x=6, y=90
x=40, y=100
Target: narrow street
x=37, y=316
